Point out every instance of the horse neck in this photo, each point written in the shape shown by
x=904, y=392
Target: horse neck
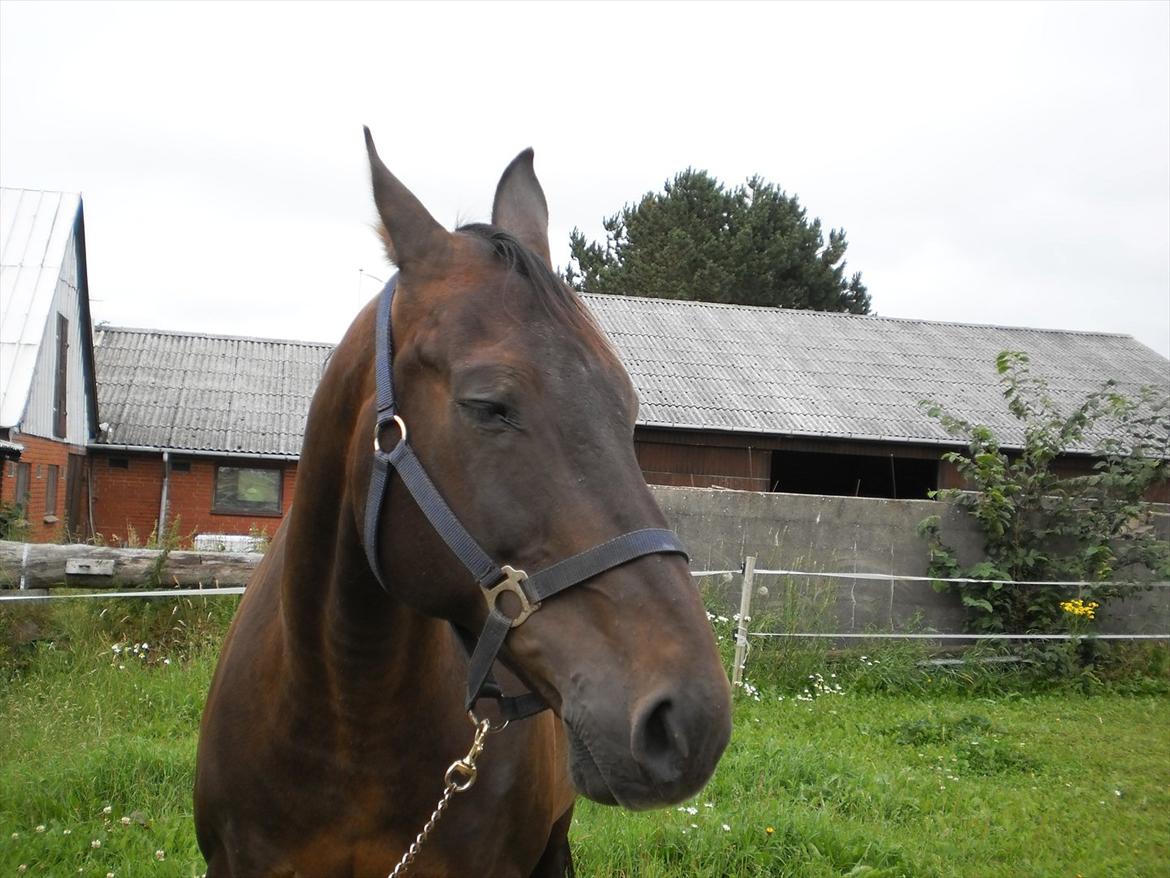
x=338, y=622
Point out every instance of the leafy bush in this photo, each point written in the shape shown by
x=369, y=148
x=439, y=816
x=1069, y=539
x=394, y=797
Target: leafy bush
x=1041, y=526
x=13, y=523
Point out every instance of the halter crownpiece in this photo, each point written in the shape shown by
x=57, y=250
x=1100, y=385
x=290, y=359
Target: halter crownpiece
x=528, y=590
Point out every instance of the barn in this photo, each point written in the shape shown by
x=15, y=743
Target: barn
x=48, y=397
x=807, y=402
x=204, y=430
x=207, y=428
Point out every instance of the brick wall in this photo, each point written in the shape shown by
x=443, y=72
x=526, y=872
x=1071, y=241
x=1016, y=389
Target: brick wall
x=128, y=498
x=46, y=525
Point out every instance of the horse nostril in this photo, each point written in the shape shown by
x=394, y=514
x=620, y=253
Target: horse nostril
x=659, y=742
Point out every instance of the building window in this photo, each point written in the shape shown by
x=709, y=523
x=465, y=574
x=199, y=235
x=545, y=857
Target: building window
x=119, y=463
x=181, y=466
x=23, y=471
x=60, y=394
x=51, y=489
x=247, y=491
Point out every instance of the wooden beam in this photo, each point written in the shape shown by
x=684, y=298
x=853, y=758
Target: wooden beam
x=46, y=565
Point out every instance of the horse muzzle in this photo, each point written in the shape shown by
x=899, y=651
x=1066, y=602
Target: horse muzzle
x=664, y=752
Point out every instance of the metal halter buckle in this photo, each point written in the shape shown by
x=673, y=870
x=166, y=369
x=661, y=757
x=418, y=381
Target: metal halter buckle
x=511, y=583
x=378, y=432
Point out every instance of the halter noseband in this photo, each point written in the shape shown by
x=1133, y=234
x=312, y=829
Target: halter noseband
x=495, y=580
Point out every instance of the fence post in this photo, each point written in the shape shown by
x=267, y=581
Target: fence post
x=741, y=630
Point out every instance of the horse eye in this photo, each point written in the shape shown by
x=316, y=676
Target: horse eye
x=487, y=411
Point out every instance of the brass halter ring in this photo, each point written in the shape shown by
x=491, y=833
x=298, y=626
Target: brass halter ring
x=511, y=583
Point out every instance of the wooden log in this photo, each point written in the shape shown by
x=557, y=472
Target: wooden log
x=45, y=565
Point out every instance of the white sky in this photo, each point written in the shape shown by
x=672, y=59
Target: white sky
x=991, y=163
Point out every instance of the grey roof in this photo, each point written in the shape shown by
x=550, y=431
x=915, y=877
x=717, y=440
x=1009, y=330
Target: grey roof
x=210, y=393
x=696, y=365
x=699, y=365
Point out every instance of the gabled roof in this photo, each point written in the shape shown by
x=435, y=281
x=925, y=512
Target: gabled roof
x=34, y=233
x=696, y=366
x=211, y=393
x=699, y=365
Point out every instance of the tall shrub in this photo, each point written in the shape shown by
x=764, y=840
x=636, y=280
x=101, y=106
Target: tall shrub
x=1038, y=525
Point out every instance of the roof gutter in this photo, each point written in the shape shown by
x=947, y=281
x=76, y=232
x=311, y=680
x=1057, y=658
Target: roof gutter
x=189, y=452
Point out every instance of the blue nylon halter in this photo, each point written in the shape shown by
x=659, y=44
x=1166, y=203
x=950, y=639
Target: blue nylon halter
x=494, y=579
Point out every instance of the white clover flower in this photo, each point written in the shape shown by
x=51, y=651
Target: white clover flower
x=40, y=827
x=160, y=855
x=726, y=828
x=96, y=843
x=109, y=809
x=125, y=821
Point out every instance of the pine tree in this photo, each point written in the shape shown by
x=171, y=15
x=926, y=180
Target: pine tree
x=751, y=245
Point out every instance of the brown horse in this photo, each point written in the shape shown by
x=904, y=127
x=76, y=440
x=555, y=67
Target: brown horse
x=338, y=704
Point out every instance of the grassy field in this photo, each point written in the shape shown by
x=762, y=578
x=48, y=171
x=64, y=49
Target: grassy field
x=885, y=769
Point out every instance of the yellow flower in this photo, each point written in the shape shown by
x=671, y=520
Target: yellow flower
x=769, y=830
x=1078, y=607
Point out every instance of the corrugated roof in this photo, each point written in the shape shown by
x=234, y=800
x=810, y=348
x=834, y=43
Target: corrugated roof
x=34, y=232
x=699, y=365
x=696, y=365
x=206, y=392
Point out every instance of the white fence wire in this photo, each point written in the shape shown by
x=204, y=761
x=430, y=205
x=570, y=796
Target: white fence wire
x=748, y=573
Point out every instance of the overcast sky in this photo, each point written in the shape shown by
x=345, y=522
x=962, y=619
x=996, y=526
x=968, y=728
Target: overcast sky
x=991, y=163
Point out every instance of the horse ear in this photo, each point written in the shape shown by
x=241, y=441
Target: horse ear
x=410, y=234
x=519, y=206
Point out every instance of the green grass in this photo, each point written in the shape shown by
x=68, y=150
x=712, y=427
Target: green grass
x=905, y=773
x=882, y=785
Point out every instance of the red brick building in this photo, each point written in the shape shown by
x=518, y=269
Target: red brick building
x=47, y=391
x=200, y=431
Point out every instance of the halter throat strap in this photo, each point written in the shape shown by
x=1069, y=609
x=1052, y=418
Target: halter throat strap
x=496, y=581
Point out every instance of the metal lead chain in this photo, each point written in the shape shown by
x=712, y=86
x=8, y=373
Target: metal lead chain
x=459, y=778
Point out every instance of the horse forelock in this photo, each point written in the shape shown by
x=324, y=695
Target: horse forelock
x=551, y=293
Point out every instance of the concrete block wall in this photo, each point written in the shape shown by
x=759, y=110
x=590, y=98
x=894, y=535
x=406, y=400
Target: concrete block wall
x=852, y=534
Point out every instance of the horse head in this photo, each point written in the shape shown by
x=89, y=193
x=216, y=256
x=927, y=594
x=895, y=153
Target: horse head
x=523, y=416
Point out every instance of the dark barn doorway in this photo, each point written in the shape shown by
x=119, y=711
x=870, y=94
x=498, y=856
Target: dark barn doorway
x=853, y=475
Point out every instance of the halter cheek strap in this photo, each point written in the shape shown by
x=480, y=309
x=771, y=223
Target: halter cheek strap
x=495, y=580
